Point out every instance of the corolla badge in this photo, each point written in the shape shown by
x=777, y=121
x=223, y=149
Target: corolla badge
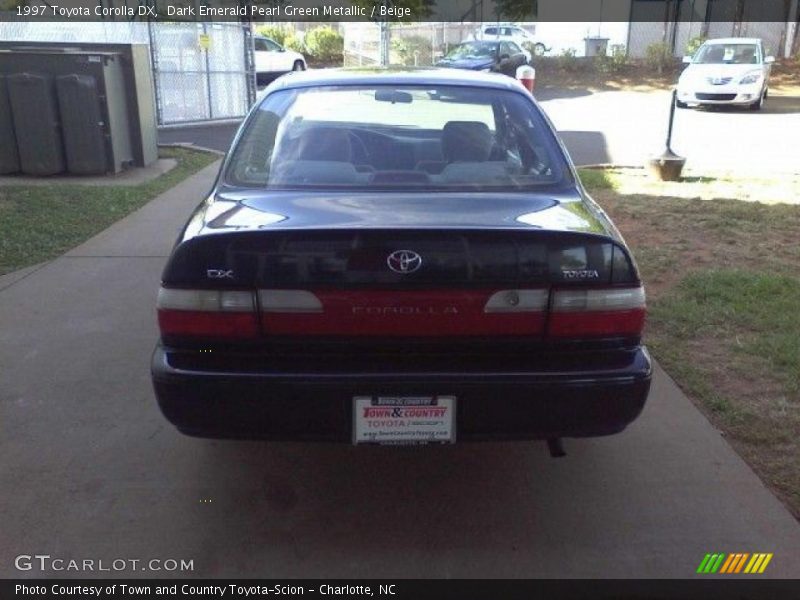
x=404, y=261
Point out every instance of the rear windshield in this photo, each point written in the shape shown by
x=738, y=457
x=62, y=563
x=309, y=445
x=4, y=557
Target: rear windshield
x=396, y=138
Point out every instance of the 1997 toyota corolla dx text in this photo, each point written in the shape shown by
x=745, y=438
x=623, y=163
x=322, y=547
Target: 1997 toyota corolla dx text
x=399, y=257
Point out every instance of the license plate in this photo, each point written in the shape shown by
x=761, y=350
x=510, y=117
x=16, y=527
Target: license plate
x=394, y=420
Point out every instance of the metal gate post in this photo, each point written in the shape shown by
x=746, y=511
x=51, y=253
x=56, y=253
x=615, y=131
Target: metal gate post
x=250, y=61
x=156, y=72
x=208, y=74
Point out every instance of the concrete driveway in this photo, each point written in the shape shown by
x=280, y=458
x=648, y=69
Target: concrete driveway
x=89, y=469
x=627, y=128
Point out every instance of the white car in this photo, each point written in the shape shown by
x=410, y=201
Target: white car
x=510, y=33
x=726, y=71
x=273, y=60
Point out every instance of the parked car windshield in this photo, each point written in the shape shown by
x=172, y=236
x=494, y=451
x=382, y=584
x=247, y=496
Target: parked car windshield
x=734, y=54
x=473, y=50
x=446, y=137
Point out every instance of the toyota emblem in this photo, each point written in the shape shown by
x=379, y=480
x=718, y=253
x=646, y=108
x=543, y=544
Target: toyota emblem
x=404, y=261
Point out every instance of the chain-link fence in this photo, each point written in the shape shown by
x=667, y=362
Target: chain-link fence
x=646, y=33
x=201, y=71
x=85, y=33
x=412, y=44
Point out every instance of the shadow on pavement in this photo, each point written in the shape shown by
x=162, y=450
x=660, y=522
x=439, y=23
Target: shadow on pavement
x=553, y=93
x=586, y=147
x=310, y=503
x=217, y=136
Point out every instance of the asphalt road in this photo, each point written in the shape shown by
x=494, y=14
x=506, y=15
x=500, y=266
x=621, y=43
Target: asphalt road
x=627, y=128
x=89, y=469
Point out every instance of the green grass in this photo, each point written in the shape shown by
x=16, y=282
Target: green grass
x=38, y=223
x=722, y=273
x=731, y=339
x=596, y=179
x=753, y=314
x=696, y=186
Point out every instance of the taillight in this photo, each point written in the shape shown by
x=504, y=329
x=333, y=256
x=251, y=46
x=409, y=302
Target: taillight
x=207, y=313
x=517, y=301
x=597, y=312
x=289, y=301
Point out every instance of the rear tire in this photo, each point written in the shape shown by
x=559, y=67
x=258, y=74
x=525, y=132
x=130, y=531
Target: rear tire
x=299, y=65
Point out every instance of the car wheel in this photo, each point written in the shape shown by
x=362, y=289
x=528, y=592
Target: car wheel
x=758, y=104
x=298, y=65
x=539, y=49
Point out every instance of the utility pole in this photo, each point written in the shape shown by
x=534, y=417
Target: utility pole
x=385, y=35
x=385, y=42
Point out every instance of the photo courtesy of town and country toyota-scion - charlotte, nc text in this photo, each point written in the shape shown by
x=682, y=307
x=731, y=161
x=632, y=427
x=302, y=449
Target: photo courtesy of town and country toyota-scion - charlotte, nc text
x=203, y=11
x=203, y=591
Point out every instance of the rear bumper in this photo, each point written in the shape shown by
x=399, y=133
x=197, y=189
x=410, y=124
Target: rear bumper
x=318, y=407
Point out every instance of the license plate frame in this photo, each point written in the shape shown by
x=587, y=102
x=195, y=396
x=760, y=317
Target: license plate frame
x=404, y=420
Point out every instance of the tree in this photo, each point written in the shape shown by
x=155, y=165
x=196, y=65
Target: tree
x=517, y=10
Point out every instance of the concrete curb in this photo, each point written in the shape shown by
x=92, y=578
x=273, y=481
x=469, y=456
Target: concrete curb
x=190, y=146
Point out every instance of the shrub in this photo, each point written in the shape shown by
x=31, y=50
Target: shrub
x=567, y=60
x=294, y=41
x=413, y=50
x=693, y=45
x=275, y=32
x=325, y=45
x=615, y=62
x=658, y=56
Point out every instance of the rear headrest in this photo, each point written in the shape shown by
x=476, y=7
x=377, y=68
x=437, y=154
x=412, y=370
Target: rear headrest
x=325, y=143
x=466, y=141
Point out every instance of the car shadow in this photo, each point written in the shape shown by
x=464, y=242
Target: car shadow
x=543, y=93
x=338, y=505
x=586, y=147
x=217, y=136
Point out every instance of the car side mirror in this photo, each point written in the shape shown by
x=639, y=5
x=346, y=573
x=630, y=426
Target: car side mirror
x=282, y=49
x=769, y=60
x=687, y=60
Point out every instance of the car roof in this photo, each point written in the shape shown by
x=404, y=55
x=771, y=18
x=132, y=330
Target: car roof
x=396, y=76
x=734, y=41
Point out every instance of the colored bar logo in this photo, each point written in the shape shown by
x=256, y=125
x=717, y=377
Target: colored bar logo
x=738, y=562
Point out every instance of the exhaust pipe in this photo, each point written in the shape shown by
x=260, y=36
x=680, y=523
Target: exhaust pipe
x=556, y=448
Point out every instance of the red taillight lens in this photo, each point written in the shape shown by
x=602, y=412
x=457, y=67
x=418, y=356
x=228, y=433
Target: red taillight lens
x=207, y=313
x=597, y=312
